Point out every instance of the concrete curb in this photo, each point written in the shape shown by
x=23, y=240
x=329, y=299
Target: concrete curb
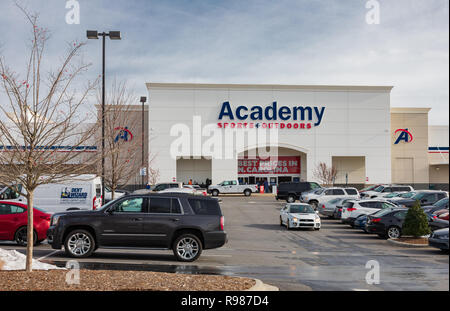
x=407, y=244
x=262, y=287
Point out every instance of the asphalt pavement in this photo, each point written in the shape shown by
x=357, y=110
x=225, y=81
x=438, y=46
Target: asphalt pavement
x=333, y=258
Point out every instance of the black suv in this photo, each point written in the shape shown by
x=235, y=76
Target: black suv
x=291, y=191
x=182, y=222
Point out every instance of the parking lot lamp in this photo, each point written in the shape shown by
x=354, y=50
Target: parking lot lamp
x=113, y=35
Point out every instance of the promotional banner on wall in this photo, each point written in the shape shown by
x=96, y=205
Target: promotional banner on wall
x=274, y=165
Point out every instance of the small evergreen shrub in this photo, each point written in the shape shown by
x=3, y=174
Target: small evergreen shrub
x=416, y=222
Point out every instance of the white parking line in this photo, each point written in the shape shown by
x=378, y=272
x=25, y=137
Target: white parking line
x=54, y=252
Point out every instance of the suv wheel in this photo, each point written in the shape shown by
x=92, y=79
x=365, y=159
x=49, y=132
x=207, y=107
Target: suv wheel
x=79, y=243
x=290, y=199
x=393, y=232
x=215, y=193
x=187, y=247
x=247, y=192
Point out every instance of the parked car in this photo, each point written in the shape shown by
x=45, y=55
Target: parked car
x=402, y=195
x=83, y=192
x=335, y=192
x=163, y=186
x=444, y=216
x=360, y=222
x=329, y=208
x=388, y=223
x=196, y=189
x=311, y=195
x=292, y=191
x=392, y=195
x=339, y=207
x=384, y=189
x=439, y=239
x=439, y=205
x=185, y=223
x=352, y=209
x=14, y=220
x=425, y=197
x=299, y=215
x=117, y=194
x=369, y=188
x=232, y=186
x=185, y=189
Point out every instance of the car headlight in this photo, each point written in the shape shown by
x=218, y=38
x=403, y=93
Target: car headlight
x=295, y=219
x=55, y=220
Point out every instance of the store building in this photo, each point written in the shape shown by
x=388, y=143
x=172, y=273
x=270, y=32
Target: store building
x=204, y=131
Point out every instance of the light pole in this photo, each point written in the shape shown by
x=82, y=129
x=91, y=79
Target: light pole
x=113, y=35
x=143, y=100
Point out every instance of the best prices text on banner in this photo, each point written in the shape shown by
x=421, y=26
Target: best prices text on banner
x=274, y=165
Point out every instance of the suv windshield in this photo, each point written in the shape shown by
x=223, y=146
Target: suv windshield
x=419, y=196
x=379, y=189
x=441, y=203
x=406, y=195
x=314, y=185
x=301, y=209
x=368, y=188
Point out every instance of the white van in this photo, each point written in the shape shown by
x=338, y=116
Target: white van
x=82, y=192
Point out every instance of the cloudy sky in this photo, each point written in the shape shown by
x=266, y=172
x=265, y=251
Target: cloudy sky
x=255, y=41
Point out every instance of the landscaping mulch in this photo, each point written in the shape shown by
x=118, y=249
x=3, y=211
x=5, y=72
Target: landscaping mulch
x=411, y=240
x=114, y=280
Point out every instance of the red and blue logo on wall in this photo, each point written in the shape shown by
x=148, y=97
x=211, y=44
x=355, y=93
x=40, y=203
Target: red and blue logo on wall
x=405, y=136
x=124, y=133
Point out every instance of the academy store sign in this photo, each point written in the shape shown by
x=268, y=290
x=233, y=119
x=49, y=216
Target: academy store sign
x=299, y=117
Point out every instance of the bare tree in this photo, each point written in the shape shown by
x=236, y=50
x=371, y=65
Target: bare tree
x=325, y=174
x=123, y=150
x=153, y=175
x=42, y=117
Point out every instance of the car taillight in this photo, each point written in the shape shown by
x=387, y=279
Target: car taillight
x=376, y=220
x=351, y=209
x=323, y=206
x=340, y=210
x=94, y=203
x=222, y=223
x=204, y=193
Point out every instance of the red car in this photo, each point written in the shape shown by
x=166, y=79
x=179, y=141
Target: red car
x=444, y=216
x=13, y=223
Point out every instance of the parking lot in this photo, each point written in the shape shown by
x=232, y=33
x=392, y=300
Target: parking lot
x=333, y=258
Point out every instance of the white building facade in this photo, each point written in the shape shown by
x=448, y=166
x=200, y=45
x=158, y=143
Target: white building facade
x=207, y=131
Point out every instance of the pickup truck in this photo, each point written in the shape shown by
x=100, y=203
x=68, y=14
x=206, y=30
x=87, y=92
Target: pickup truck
x=232, y=186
